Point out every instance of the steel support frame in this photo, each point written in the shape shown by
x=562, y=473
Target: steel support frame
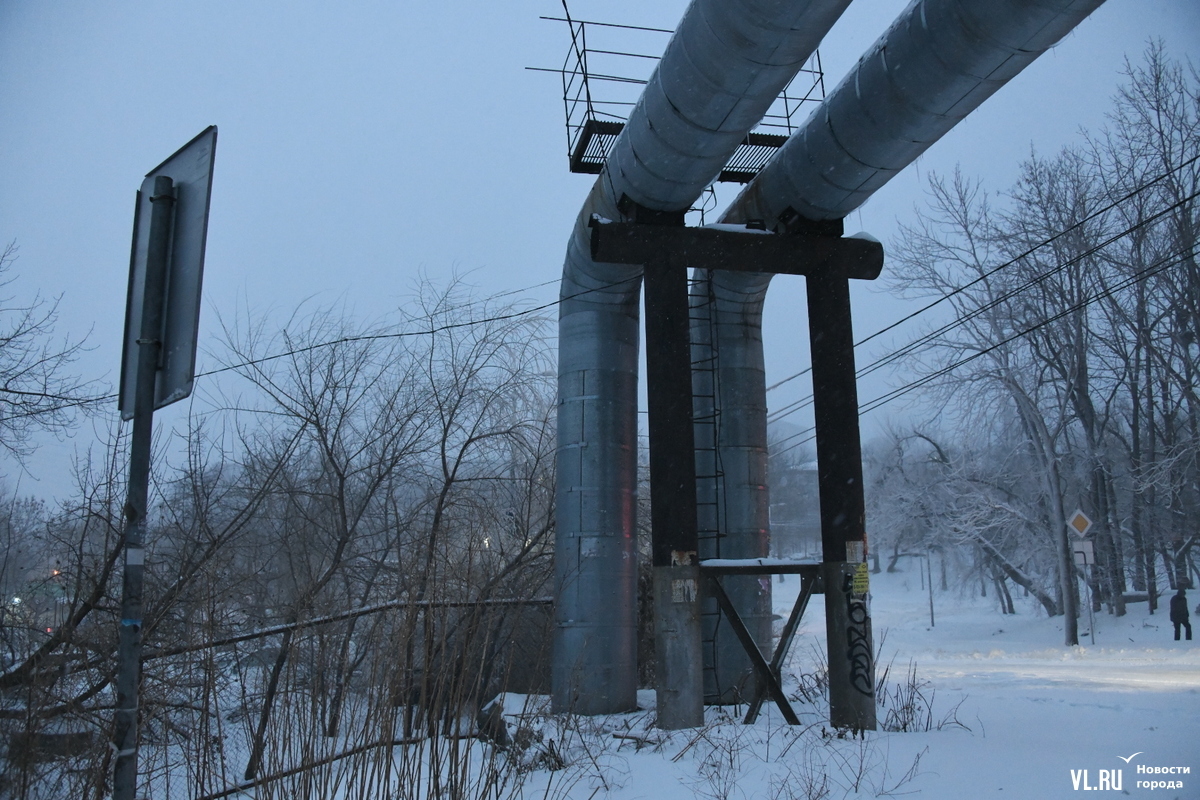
x=679, y=689
x=843, y=525
x=769, y=682
x=666, y=249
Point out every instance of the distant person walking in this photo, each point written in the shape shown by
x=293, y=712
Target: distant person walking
x=1179, y=614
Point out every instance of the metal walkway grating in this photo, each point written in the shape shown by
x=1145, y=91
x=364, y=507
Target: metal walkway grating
x=597, y=137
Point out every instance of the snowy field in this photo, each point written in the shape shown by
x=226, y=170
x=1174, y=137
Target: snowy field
x=1014, y=714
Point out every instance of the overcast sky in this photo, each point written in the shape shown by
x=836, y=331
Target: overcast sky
x=362, y=143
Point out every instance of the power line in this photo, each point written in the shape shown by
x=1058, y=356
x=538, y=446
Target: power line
x=517, y=314
x=370, y=337
x=1103, y=210
x=1137, y=277
x=894, y=394
x=543, y=307
x=1028, y=284
x=909, y=348
x=79, y=402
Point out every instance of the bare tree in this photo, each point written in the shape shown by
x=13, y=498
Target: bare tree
x=952, y=250
x=1150, y=153
x=974, y=498
x=417, y=474
x=1075, y=320
x=37, y=390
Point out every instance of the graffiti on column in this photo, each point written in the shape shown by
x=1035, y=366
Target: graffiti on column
x=858, y=638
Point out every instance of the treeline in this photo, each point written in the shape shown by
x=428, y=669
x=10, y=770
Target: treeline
x=1067, y=377
x=349, y=547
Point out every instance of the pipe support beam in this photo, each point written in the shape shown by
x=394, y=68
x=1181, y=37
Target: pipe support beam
x=725, y=65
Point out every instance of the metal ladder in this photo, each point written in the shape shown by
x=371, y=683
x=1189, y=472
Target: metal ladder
x=710, y=476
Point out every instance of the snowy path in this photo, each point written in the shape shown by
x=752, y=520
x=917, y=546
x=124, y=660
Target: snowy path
x=1037, y=709
x=1034, y=716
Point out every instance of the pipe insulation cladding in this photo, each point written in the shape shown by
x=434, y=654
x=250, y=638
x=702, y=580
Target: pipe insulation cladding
x=934, y=65
x=724, y=66
x=730, y=413
x=722, y=69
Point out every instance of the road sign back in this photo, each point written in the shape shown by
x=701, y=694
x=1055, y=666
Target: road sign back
x=1084, y=553
x=191, y=169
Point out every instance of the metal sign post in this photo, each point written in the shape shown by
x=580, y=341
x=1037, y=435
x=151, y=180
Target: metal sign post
x=170, y=226
x=1084, y=553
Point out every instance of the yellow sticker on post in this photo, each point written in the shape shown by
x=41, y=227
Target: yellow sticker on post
x=862, y=579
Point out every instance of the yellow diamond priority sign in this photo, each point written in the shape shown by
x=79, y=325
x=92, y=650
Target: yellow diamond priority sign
x=1080, y=523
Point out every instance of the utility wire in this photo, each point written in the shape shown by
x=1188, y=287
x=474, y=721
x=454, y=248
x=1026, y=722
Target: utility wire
x=887, y=397
x=78, y=402
x=912, y=346
x=1137, y=277
x=543, y=307
x=1024, y=287
x=370, y=337
x=1103, y=210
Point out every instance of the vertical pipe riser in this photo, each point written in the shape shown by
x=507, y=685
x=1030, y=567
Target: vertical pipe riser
x=692, y=126
x=739, y=379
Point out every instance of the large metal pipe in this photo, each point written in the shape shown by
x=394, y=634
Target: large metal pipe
x=933, y=66
x=728, y=383
x=936, y=63
x=725, y=65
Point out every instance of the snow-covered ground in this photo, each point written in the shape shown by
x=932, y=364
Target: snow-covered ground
x=1015, y=715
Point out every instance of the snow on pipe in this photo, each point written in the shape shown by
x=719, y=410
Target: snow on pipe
x=934, y=65
x=726, y=63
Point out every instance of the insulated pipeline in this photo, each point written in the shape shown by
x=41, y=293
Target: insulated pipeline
x=935, y=64
x=725, y=65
